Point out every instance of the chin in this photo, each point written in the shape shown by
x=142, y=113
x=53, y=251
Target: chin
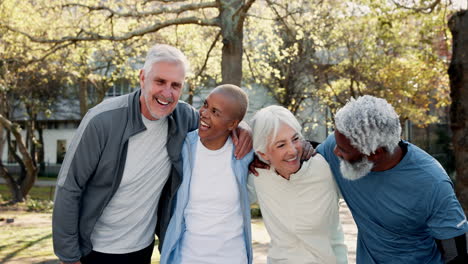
x=357, y=170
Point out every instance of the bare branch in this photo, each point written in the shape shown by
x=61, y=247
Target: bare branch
x=249, y=62
x=423, y=9
x=274, y=18
x=244, y=9
x=208, y=54
x=248, y=5
x=50, y=52
x=160, y=11
x=281, y=18
x=91, y=36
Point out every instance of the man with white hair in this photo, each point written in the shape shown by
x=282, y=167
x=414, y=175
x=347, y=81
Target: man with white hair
x=401, y=198
x=117, y=183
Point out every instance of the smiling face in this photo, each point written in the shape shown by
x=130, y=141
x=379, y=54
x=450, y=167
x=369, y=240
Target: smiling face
x=161, y=89
x=285, y=151
x=217, y=120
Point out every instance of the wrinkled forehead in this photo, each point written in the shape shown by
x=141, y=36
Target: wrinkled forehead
x=168, y=70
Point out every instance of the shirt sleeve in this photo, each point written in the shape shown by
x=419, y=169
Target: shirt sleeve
x=251, y=188
x=79, y=165
x=446, y=217
x=338, y=245
x=326, y=147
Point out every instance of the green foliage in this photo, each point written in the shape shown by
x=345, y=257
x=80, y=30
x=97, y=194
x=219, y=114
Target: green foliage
x=44, y=206
x=300, y=51
x=330, y=51
x=255, y=211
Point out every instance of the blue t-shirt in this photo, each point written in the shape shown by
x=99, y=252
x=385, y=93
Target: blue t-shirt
x=400, y=211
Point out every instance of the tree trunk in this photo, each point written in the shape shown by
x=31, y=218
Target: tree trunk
x=14, y=188
x=458, y=72
x=191, y=92
x=12, y=149
x=83, y=95
x=27, y=183
x=40, y=151
x=232, y=15
x=10, y=181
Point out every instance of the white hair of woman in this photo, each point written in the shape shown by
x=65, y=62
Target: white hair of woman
x=165, y=53
x=369, y=123
x=266, y=123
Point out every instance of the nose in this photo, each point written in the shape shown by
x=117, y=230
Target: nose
x=166, y=90
x=292, y=149
x=203, y=111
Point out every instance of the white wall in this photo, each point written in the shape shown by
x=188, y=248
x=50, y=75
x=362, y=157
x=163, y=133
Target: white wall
x=50, y=143
x=259, y=97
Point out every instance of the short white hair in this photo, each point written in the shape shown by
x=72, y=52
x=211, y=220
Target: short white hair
x=165, y=53
x=369, y=123
x=266, y=123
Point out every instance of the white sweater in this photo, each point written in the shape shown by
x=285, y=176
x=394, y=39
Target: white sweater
x=301, y=214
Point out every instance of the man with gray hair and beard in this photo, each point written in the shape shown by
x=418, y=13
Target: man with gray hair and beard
x=401, y=198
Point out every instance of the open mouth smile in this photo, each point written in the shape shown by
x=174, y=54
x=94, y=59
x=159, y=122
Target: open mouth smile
x=162, y=102
x=204, y=124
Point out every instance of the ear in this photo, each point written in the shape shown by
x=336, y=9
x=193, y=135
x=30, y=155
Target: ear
x=377, y=155
x=233, y=125
x=142, y=78
x=263, y=156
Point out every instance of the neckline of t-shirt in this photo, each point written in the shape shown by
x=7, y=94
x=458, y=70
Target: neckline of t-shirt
x=152, y=123
x=402, y=162
x=224, y=148
x=302, y=171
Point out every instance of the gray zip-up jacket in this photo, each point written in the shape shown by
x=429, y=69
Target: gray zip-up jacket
x=93, y=168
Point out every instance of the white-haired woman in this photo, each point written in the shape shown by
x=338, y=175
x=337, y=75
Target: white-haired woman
x=298, y=200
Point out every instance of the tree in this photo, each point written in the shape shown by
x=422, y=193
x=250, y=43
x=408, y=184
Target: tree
x=458, y=72
x=30, y=81
x=126, y=20
x=330, y=51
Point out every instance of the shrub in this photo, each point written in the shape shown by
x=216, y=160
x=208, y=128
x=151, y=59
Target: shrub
x=33, y=205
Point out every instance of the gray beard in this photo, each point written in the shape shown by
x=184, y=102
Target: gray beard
x=357, y=170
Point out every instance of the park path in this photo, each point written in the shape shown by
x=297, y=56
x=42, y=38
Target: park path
x=260, y=238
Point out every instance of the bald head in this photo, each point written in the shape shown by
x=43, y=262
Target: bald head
x=238, y=96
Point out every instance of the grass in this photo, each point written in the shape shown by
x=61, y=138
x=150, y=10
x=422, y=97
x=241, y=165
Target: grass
x=29, y=238
x=36, y=193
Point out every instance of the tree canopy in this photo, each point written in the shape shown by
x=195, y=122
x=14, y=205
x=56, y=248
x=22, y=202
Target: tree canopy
x=302, y=52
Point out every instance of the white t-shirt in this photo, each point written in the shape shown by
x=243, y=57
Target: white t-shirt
x=213, y=217
x=301, y=214
x=129, y=220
